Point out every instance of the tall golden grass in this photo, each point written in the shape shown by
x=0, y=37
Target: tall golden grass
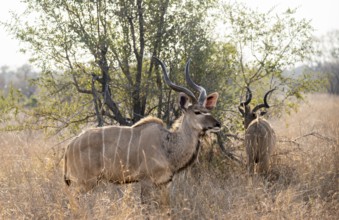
x=303, y=183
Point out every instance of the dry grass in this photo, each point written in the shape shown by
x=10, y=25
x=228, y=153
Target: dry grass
x=303, y=183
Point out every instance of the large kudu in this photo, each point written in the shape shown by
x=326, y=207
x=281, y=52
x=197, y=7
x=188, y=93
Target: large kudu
x=260, y=138
x=146, y=152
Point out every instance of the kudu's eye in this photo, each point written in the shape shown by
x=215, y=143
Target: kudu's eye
x=197, y=112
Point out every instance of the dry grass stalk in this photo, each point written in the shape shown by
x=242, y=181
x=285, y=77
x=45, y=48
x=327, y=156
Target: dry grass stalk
x=303, y=183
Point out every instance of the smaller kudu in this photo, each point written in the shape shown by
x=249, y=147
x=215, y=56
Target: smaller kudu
x=146, y=152
x=260, y=138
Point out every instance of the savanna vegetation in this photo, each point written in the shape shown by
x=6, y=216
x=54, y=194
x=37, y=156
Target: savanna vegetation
x=303, y=183
x=93, y=67
x=96, y=67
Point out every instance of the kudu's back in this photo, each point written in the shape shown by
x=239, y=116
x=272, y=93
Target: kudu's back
x=260, y=138
x=115, y=153
x=260, y=142
x=146, y=152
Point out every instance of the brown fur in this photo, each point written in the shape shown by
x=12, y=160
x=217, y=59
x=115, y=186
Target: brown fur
x=260, y=142
x=149, y=119
x=260, y=138
x=146, y=152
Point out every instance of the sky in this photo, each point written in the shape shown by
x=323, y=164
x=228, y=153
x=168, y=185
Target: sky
x=323, y=14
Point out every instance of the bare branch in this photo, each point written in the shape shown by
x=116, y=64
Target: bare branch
x=95, y=98
x=315, y=134
x=227, y=153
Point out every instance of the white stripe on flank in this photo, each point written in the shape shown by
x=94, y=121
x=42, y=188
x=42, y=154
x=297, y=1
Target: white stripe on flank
x=138, y=161
x=75, y=157
x=117, y=146
x=73, y=161
x=129, y=147
x=146, y=163
x=103, y=147
x=88, y=148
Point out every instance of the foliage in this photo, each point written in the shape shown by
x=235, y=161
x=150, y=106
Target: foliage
x=331, y=70
x=19, y=78
x=96, y=66
x=303, y=183
x=9, y=104
x=327, y=61
x=16, y=95
x=267, y=45
x=103, y=51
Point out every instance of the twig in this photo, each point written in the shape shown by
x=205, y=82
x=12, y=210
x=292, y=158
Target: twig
x=227, y=153
x=315, y=134
x=235, y=136
x=289, y=141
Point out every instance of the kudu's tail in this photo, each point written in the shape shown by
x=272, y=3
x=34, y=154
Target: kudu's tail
x=66, y=179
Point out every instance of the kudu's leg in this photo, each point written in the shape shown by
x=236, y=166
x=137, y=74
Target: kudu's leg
x=263, y=165
x=250, y=158
x=146, y=195
x=164, y=198
x=155, y=197
x=250, y=166
x=87, y=185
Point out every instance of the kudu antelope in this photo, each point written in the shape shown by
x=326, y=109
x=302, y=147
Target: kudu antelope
x=259, y=136
x=146, y=152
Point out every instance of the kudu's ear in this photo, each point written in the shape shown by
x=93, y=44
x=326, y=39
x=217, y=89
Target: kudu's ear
x=211, y=100
x=183, y=100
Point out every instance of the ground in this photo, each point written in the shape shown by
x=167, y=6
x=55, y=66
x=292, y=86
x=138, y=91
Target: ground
x=303, y=182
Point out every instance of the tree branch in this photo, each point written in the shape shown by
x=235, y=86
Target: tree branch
x=95, y=98
x=315, y=134
x=227, y=153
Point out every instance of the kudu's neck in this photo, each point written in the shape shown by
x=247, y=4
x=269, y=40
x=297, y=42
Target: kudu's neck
x=184, y=145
